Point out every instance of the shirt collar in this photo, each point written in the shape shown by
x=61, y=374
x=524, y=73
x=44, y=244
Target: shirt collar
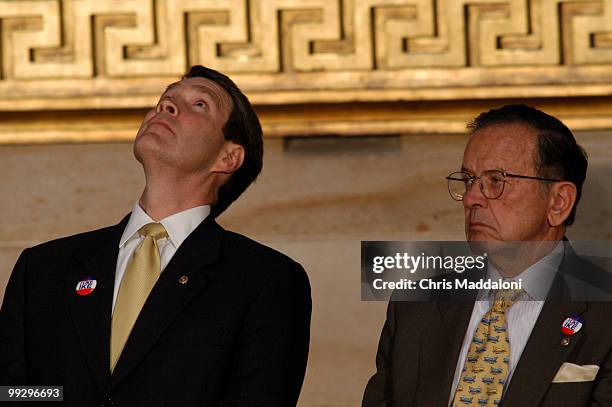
x=537, y=278
x=179, y=225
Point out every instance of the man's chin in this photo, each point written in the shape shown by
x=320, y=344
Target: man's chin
x=480, y=234
x=482, y=243
x=140, y=148
x=147, y=147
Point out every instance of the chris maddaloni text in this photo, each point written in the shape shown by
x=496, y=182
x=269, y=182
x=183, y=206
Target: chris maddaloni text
x=459, y=284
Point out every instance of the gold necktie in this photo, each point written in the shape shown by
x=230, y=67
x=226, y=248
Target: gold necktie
x=140, y=276
x=488, y=359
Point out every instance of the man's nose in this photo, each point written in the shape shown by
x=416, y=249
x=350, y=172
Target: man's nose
x=168, y=106
x=473, y=196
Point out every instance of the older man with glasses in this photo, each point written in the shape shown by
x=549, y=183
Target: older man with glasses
x=548, y=344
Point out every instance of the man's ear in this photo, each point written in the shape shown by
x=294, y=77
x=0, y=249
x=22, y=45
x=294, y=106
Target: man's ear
x=230, y=158
x=561, y=201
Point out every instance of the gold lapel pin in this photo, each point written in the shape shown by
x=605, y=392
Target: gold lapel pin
x=183, y=280
x=565, y=341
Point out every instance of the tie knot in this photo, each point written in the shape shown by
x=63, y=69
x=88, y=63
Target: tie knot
x=154, y=230
x=505, y=298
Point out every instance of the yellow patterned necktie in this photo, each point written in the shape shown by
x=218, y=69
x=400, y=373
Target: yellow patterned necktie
x=488, y=359
x=140, y=276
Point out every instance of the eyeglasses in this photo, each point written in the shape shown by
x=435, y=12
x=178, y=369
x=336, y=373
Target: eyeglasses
x=492, y=183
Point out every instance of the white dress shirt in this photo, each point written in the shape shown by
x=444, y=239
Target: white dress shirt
x=179, y=226
x=521, y=316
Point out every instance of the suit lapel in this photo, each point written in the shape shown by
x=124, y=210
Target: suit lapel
x=543, y=354
x=439, y=351
x=169, y=296
x=441, y=345
x=90, y=314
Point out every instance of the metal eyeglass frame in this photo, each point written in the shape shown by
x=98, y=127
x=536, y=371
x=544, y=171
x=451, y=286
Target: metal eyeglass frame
x=472, y=178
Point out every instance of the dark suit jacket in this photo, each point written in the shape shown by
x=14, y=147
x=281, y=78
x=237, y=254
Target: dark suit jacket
x=421, y=341
x=236, y=334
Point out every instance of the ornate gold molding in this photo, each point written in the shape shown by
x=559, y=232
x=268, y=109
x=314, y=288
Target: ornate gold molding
x=119, y=54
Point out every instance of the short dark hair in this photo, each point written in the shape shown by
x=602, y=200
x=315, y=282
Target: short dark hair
x=557, y=153
x=243, y=128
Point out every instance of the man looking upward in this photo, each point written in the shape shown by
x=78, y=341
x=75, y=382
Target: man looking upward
x=167, y=307
x=520, y=181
